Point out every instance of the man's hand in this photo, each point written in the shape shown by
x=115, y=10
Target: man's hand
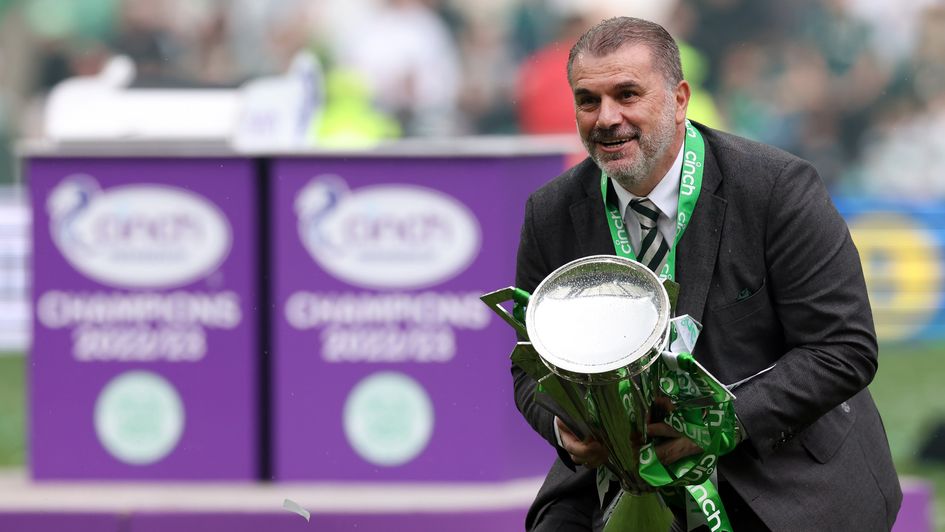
x=676, y=447
x=589, y=453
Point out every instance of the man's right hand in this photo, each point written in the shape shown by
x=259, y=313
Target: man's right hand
x=588, y=453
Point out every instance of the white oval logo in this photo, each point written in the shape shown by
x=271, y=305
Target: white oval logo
x=386, y=236
x=137, y=236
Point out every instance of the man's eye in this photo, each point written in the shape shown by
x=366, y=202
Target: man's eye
x=586, y=102
x=626, y=95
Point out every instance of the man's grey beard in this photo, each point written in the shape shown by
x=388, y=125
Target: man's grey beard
x=632, y=173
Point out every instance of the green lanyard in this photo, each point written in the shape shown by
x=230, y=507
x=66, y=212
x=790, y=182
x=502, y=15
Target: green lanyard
x=690, y=183
x=684, y=473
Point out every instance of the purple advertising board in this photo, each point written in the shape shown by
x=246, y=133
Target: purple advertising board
x=916, y=512
x=387, y=366
x=62, y=522
x=145, y=321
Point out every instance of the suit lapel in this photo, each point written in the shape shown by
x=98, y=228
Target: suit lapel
x=590, y=225
x=699, y=245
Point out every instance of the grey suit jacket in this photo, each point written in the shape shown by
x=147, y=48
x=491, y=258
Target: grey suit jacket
x=816, y=457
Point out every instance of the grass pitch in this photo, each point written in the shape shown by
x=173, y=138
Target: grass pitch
x=12, y=410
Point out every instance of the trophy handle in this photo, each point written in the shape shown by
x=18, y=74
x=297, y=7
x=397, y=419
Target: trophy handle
x=672, y=290
x=519, y=297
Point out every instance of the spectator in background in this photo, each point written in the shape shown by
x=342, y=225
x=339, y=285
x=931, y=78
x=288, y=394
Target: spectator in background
x=348, y=119
x=409, y=59
x=781, y=95
x=544, y=100
x=909, y=137
x=146, y=34
x=534, y=23
x=747, y=77
x=488, y=90
x=695, y=65
x=722, y=24
x=290, y=27
x=264, y=36
x=853, y=82
x=900, y=21
x=213, y=61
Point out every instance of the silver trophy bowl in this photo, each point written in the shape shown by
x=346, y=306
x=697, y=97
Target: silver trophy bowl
x=599, y=319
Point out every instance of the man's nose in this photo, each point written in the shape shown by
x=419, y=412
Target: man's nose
x=610, y=114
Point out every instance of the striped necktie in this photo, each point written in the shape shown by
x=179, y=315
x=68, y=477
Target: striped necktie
x=653, y=247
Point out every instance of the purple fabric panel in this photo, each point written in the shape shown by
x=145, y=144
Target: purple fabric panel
x=218, y=390
x=61, y=522
x=915, y=515
x=477, y=433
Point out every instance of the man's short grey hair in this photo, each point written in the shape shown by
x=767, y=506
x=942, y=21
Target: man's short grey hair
x=612, y=34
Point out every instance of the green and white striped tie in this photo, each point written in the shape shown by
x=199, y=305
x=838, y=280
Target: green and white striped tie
x=653, y=247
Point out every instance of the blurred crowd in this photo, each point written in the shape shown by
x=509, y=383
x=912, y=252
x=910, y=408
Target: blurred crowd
x=855, y=86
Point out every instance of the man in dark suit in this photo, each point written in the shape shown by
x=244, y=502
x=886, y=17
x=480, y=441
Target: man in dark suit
x=766, y=264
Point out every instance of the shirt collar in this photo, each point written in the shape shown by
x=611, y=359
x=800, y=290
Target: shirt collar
x=665, y=195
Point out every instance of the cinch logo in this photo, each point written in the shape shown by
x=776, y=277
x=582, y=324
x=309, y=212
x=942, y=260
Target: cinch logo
x=690, y=164
x=707, y=505
x=386, y=236
x=137, y=236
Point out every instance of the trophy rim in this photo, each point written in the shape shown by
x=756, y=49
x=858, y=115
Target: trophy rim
x=636, y=361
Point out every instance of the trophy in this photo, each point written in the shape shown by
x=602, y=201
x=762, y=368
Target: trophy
x=598, y=337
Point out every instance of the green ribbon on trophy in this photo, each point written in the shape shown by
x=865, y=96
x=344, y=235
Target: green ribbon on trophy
x=703, y=411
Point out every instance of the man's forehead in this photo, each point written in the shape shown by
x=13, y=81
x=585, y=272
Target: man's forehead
x=634, y=52
x=631, y=60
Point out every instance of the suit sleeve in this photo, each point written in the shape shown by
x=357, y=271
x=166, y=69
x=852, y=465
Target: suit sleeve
x=531, y=268
x=820, y=297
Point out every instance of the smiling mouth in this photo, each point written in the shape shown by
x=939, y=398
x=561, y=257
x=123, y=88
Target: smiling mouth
x=615, y=144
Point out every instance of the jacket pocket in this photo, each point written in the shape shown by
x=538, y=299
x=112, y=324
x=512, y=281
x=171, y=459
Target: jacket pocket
x=826, y=435
x=732, y=312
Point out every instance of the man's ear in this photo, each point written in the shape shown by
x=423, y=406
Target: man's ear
x=682, y=100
